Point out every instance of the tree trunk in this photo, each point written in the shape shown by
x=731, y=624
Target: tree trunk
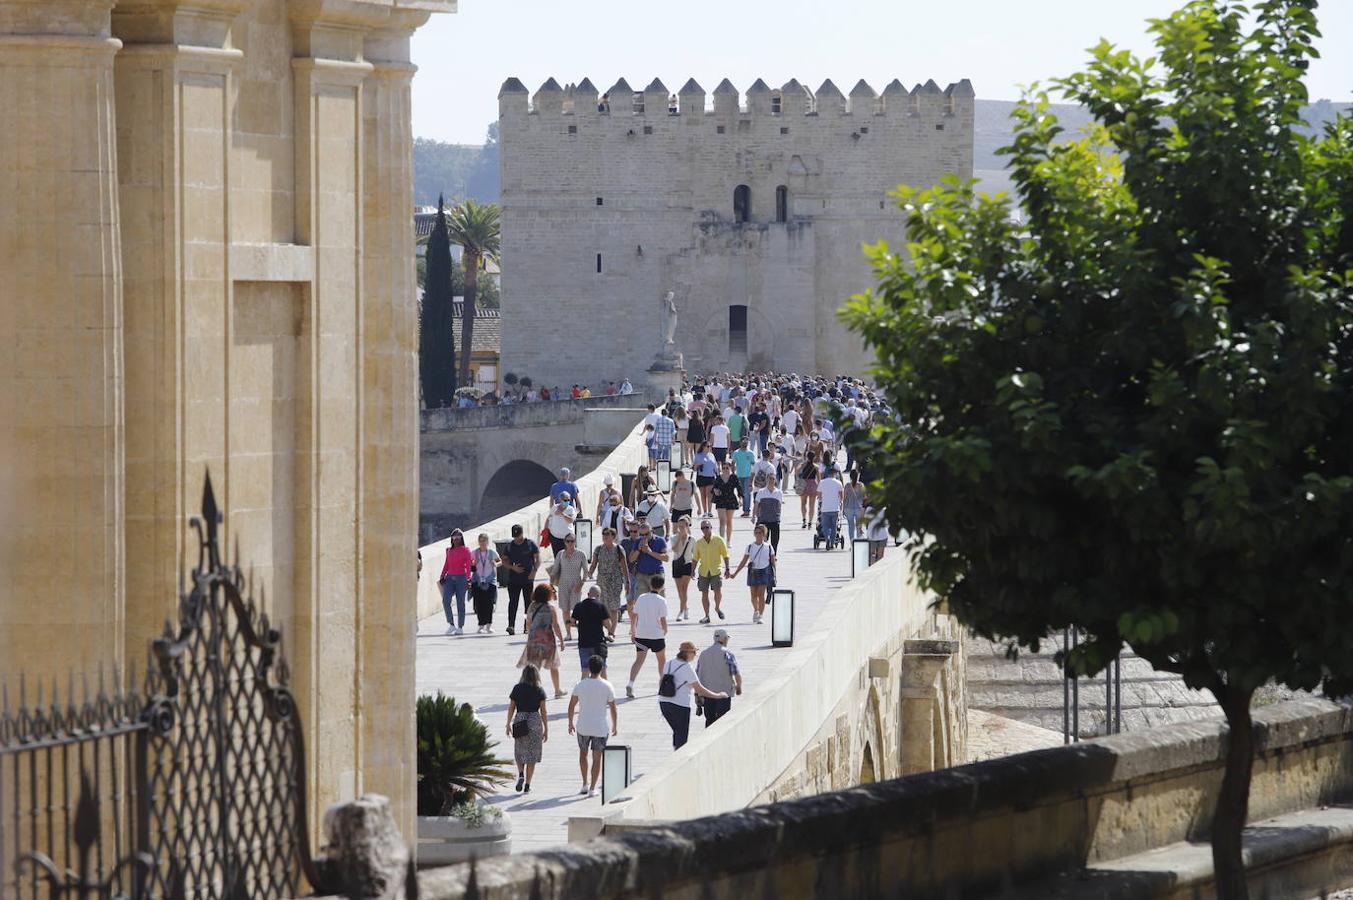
x=1234, y=800
x=470, y=259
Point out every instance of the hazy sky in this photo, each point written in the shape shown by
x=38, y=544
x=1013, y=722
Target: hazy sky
x=1000, y=44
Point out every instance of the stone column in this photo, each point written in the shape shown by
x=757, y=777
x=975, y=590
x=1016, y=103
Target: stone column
x=173, y=96
x=389, y=451
x=329, y=651
x=61, y=378
x=924, y=743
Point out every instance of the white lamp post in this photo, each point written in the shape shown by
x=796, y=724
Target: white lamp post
x=582, y=528
x=615, y=771
x=664, y=475
x=678, y=455
x=782, y=618
x=859, y=556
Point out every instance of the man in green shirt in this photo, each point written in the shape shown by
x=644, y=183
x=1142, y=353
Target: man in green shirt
x=737, y=426
x=743, y=460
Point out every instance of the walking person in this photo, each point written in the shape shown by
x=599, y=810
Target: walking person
x=455, y=580
x=567, y=573
x=705, y=466
x=647, y=557
x=767, y=508
x=831, y=494
x=484, y=582
x=744, y=460
x=611, y=570
x=653, y=511
x=664, y=432
x=711, y=566
x=648, y=630
x=560, y=522
x=674, y=695
x=725, y=492
x=592, y=698
x=759, y=560
x=639, y=487
x=717, y=670
x=682, y=495
x=565, y=483
x=544, y=640
x=719, y=438
x=523, y=558
x=853, y=506
x=592, y=619
x=682, y=549
x=527, y=725
x=808, y=475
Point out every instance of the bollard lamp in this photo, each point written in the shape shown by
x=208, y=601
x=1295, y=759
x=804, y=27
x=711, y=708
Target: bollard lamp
x=615, y=771
x=782, y=618
x=859, y=556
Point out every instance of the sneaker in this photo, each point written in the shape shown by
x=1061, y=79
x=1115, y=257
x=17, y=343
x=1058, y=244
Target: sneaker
x=591, y=792
x=450, y=629
x=488, y=629
x=526, y=790
x=521, y=780
x=584, y=790
x=720, y=612
x=509, y=630
x=610, y=639
x=459, y=630
x=629, y=691
x=705, y=620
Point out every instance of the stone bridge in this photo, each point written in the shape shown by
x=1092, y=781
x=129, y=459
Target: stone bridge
x=477, y=464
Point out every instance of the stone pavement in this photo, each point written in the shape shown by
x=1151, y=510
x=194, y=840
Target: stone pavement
x=481, y=670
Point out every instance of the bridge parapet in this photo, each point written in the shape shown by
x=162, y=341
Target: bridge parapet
x=525, y=415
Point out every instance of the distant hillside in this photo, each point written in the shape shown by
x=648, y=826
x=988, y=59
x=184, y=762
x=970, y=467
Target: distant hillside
x=469, y=170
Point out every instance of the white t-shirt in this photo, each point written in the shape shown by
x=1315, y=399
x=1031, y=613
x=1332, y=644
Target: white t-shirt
x=878, y=526
x=758, y=555
x=561, y=524
x=790, y=421
x=594, y=697
x=653, y=419
x=649, y=611
x=831, y=490
x=684, y=675
x=718, y=436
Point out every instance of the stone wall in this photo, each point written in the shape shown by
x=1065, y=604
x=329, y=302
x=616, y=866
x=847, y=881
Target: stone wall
x=464, y=452
x=211, y=269
x=603, y=213
x=998, y=828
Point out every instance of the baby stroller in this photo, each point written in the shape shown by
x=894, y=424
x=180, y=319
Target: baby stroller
x=820, y=536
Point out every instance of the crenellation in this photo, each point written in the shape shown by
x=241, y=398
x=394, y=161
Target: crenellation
x=585, y=99
x=817, y=170
x=549, y=98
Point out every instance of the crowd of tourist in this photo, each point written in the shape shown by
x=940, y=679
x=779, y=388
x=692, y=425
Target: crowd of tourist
x=745, y=442
x=529, y=393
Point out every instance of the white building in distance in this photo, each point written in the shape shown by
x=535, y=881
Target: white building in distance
x=752, y=212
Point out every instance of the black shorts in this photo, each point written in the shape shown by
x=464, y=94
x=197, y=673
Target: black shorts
x=678, y=513
x=657, y=645
x=704, y=480
x=681, y=568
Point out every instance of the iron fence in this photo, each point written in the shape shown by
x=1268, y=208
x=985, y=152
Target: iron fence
x=192, y=786
x=1071, y=694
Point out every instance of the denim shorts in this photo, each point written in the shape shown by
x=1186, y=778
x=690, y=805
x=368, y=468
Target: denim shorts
x=758, y=577
x=586, y=653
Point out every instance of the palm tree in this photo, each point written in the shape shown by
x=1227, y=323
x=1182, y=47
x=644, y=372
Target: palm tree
x=436, y=332
x=474, y=226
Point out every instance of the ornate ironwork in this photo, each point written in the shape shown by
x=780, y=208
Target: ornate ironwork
x=201, y=776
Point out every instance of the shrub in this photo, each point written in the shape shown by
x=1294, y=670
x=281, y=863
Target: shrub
x=455, y=756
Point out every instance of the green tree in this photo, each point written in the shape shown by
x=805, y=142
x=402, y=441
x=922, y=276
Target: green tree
x=436, y=332
x=1132, y=413
x=474, y=226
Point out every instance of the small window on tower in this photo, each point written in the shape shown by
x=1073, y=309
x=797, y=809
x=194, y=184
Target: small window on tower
x=719, y=129
x=648, y=129
x=939, y=126
x=573, y=129
x=742, y=203
x=598, y=201
x=864, y=129
x=782, y=204
x=784, y=130
x=598, y=263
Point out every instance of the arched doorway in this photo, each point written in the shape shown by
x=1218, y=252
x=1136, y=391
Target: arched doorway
x=742, y=203
x=517, y=484
x=867, y=775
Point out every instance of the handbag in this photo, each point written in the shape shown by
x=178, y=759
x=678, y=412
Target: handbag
x=521, y=728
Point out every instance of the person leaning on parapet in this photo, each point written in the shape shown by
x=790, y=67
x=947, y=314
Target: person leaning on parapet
x=717, y=670
x=604, y=104
x=625, y=387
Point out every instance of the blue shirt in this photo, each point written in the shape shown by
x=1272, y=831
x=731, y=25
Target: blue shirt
x=559, y=487
x=647, y=564
x=743, y=460
x=705, y=464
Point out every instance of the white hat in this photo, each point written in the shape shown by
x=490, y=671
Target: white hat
x=608, y=480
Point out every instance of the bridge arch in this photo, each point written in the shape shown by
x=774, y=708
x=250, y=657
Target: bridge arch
x=518, y=483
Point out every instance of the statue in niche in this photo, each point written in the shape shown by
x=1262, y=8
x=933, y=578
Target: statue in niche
x=669, y=318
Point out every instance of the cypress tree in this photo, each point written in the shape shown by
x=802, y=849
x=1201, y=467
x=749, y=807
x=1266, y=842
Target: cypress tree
x=436, y=335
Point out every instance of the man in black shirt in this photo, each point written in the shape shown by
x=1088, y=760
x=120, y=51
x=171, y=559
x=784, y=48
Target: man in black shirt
x=591, y=616
x=523, y=558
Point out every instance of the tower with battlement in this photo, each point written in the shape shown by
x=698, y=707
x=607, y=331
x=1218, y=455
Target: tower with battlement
x=752, y=208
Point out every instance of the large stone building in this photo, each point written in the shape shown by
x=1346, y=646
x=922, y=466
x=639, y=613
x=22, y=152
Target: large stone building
x=753, y=213
x=208, y=265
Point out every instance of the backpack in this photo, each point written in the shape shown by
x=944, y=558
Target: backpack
x=668, y=686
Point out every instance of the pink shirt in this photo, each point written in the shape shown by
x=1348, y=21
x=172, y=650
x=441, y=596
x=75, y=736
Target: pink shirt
x=458, y=561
